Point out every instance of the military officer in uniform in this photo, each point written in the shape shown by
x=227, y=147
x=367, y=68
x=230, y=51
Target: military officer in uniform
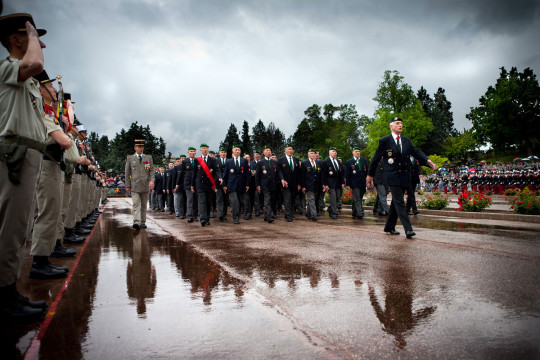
x=22, y=134
x=395, y=151
x=333, y=179
x=140, y=176
x=355, y=179
x=178, y=192
x=311, y=184
x=236, y=181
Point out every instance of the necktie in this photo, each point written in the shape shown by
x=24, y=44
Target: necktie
x=268, y=160
x=140, y=159
x=237, y=165
x=335, y=164
x=205, y=159
x=223, y=162
x=312, y=163
x=192, y=162
x=291, y=164
x=398, y=144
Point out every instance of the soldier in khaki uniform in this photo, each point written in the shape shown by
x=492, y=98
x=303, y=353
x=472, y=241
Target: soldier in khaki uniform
x=49, y=191
x=139, y=176
x=22, y=134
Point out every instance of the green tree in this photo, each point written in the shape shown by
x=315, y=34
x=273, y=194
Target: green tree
x=276, y=139
x=509, y=112
x=393, y=94
x=461, y=146
x=441, y=116
x=231, y=139
x=259, y=135
x=416, y=126
x=247, y=145
x=123, y=145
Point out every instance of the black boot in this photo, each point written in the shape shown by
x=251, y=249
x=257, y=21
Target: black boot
x=79, y=230
x=70, y=237
x=61, y=251
x=17, y=308
x=41, y=269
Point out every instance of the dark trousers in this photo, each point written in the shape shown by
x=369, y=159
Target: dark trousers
x=397, y=209
x=289, y=200
x=358, y=195
x=269, y=201
x=191, y=204
x=205, y=204
x=221, y=201
x=170, y=201
x=254, y=202
x=411, y=199
x=236, y=198
x=312, y=204
x=159, y=201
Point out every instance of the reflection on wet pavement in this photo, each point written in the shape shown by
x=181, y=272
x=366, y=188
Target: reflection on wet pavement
x=300, y=290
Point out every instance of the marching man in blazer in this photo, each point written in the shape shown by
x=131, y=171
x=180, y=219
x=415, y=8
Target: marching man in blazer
x=236, y=181
x=139, y=176
x=394, y=150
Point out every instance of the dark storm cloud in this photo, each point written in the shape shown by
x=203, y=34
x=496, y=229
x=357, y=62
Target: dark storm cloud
x=190, y=68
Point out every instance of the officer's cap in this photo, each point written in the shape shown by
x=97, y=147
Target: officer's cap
x=356, y=148
x=204, y=145
x=222, y=149
x=191, y=148
x=236, y=146
x=289, y=145
x=212, y=152
x=257, y=152
x=312, y=150
x=332, y=148
x=182, y=155
x=139, y=142
x=43, y=78
x=395, y=118
x=16, y=23
x=273, y=154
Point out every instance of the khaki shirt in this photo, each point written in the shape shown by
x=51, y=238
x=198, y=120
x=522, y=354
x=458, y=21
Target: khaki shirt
x=21, y=104
x=139, y=174
x=51, y=126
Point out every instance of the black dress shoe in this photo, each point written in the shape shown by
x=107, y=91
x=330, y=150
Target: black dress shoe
x=314, y=219
x=237, y=222
x=360, y=217
x=392, y=232
x=416, y=212
x=257, y=213
x=182, y=217
x=170, y=212
x=136, y=226
x=73, y=239
x=221, y=219
x=289, y=220
x=80, y=231
x=61, y=268
x=40, y=304
x=270, y=221
x=333, y=217
x=190, y=220
x=61, y=251
x=409, y=234
x=143, y=226
x=44, y=271
x=16, y=311
x=409, y=213
x=203, y=223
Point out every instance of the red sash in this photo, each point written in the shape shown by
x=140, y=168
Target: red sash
x=207, y=171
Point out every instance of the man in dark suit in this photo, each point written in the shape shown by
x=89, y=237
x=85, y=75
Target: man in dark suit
x=169, y=187
x=311, y=183
x=236, y=181
x=179, y=195
x=221, y=198
x=204, y=182
x=395, y=150
x=355, y=179
x=254, y=196
x=159, y=188
x=185, y=177
x=289, y=175
x=333, y=179
x=266, y=182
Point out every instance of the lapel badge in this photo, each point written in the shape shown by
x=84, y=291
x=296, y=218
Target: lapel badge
x=390, y=161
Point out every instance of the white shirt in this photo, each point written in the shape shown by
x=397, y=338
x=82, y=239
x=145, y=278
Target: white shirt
x=400, y=142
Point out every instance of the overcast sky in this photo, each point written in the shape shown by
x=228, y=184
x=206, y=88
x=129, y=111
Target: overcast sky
x=190, y=68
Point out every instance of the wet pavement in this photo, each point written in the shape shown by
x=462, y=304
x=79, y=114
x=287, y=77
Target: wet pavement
x=462, y=288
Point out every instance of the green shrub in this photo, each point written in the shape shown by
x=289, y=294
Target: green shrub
x=525, y=202
x=434, y=202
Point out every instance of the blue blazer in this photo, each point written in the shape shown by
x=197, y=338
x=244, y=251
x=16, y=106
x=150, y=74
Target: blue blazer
x=235, y=179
